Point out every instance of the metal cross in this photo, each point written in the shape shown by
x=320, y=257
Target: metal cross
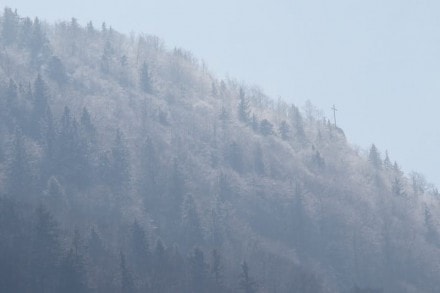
x=334, y=113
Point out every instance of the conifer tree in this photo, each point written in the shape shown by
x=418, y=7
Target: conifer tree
x=145, y=79
x=73, y=274
x=374, y=157
x=140, y=251
x=120, y=163
x=127, y=282
x=20, y=179
x=266, y=128
x=284, y=130
x=217, y=271
x=45, y=252
x=199, y=271
x=192, y=231
x=246, y=283
x=298, y=123
x=160, y=268
x=10, y=26
x=387, y=162
x=41, y=105
x=259, y=160
x=243, y=107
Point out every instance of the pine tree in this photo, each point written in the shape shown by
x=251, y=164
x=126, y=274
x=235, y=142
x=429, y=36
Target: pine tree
x=387, y=162
x=160, y=272
x=127, y=283
x=56, y=70
x=266, y=128
x=243, y=107
x=10, y=25
x=120, y=163
x=96, y=249
x=145, y=79
x=246, y=283
x=38, y=44
x=199, y=271
x=397, y=187
x=87, y=127
x=71, y=153
x=217, y=271
x=11, y=102
x=298, y=123
x=140, y=251
x=41, y=105
x=25, y=33
x=149, y=173
x=192, y=230
x=374, y=157
x=73, y=274
x=55, y=196
x=259, y=160
x=176, y=194
x=284, y=130
x=20, y=178
x=234, y=157
x=45, y=252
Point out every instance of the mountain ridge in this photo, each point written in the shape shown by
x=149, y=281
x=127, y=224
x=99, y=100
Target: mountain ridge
x=115, y=135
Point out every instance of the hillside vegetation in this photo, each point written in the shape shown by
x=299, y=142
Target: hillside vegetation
x=129, y=167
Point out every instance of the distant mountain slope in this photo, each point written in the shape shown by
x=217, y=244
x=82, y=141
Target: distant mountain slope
x=128, y=167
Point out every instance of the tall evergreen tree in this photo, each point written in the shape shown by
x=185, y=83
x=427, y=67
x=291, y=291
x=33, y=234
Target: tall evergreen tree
x=72, y=161
x=266, y=128
x=45, y=252
x=73, y=274
x=140, y=250
x=284, y=130
x=234, y=157
x=20, y=178
x=246, y=283
x=56, y=70
x=243, y=107
x=10, y=26
x=374, y=157
x=259, y=160
x=199, y=271
x=159, y=278
x=40, y=107
x=298, y=123
x=120, y=163
x=149, y=174
x=192, y=231
x=145, y=79
x=127, y=282
x=217, y=271
x=38, y=44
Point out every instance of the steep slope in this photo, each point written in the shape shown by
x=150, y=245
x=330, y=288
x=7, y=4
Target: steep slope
x=117, y=153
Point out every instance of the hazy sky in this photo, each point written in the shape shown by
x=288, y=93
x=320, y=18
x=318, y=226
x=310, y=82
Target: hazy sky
x=378, y=61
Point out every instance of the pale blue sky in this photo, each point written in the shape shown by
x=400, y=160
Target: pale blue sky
x=378, y=61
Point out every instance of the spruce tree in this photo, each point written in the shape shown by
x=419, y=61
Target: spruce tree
x=246, y=283
x=374, y=157
x=243, y=107
x=10, y=26
x=20, y=177
x=145, y=79
x=46, y=251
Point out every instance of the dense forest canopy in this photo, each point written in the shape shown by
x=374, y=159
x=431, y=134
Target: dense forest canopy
x=128, y=167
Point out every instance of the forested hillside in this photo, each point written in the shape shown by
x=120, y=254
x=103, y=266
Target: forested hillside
x=129, y=167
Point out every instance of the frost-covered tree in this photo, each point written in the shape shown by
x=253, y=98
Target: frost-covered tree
x=145, y=79
x=374, y=157
x=10, y=26
x=243, y=107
